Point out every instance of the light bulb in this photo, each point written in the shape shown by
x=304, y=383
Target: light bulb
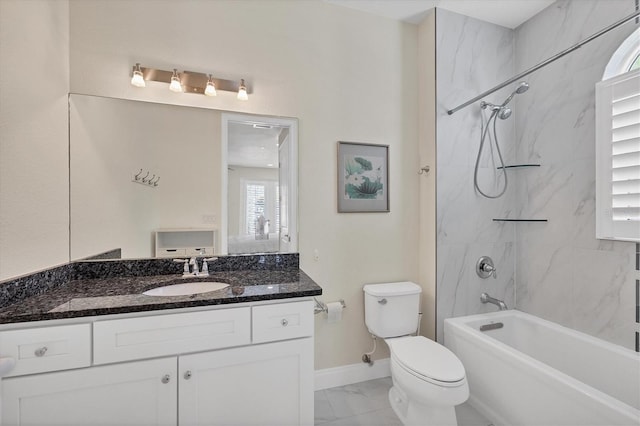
x=210, y=90
x=137, y=79
x=175, y=85
x=242, y=91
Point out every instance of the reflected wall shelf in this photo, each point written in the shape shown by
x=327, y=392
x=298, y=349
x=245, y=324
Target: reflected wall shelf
x=520, y=220
x=185, y=242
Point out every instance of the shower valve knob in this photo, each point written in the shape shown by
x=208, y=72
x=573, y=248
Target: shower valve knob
x=485, y=268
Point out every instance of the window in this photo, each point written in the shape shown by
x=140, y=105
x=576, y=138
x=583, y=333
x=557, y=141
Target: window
x=618, y=146
x=255, y=206
x=260, y=199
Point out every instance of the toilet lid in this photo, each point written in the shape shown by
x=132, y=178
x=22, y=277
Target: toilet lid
x=427, y=358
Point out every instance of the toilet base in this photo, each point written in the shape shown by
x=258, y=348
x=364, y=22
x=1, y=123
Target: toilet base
x=415, y=414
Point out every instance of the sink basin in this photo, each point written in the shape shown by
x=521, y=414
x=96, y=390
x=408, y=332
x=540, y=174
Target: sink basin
x=186, y=289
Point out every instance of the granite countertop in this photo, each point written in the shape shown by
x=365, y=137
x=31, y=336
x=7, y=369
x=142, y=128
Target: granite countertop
x=116, y=295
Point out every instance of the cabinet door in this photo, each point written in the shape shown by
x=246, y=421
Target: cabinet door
x=135, y=393
x=269, y=384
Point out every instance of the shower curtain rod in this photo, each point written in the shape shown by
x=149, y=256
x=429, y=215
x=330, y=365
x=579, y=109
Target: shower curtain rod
x=546, y=62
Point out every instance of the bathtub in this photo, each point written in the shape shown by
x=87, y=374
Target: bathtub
x=535, y=372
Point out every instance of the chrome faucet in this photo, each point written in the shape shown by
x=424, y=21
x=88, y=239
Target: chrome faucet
x=485, y=298
x=194, y=262
x=205, y=266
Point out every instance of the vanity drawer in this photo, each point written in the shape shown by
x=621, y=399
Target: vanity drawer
x=38, y=350
x=199, y=251
x=154, y=336
x=170, y=252
x=282, y=321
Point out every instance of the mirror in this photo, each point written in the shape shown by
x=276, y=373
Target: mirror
x=260, y=212
x=137, y=168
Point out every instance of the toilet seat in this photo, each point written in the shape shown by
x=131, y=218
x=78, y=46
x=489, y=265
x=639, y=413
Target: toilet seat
x=427, y=360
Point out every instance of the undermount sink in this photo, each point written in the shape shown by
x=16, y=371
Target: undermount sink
x=186, y=289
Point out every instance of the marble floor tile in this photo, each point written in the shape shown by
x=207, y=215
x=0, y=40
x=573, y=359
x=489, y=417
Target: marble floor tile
x=359, y=398
x=323, y=412
x=367, y=404
x=381, y=417
x=468, y=416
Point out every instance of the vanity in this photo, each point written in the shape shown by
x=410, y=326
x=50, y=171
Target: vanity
x=93, y=350
x=81, y=344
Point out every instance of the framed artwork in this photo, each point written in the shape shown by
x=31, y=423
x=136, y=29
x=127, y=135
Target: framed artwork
x=363, y=178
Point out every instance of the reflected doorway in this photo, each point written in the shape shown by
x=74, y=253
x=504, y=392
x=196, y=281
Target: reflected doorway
x=260, y=178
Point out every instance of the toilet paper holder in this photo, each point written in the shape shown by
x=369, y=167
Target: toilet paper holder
x=322, y=307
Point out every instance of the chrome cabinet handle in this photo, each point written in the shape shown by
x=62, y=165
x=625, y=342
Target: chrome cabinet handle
x=41, y=351
x=284, y=322
x=166, y=378
x=187, y=374
x=382, y=301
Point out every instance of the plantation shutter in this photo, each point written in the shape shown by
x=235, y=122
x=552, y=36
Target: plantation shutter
x=255, y=206
x=618, y=157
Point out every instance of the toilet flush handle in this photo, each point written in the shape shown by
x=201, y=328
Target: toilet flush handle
x=382, y=301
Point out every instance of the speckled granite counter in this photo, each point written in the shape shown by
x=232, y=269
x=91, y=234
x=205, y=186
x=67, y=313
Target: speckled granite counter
x=89, y=296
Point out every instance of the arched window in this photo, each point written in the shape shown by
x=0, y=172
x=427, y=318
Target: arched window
x=618, y=145
x=626, y=58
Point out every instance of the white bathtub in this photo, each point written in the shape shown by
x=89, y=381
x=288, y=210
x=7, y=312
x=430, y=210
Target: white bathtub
x=535, y=372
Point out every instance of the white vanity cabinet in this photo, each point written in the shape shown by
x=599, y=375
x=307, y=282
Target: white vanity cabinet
x=264, y=384
x=202, y=367
x=133, y=393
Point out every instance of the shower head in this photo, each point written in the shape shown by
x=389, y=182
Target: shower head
x=504, y=113
x=522, y=87
x=501, y=111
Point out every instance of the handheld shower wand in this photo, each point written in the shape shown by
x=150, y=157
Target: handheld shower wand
x=502, y=112
x=522, y=87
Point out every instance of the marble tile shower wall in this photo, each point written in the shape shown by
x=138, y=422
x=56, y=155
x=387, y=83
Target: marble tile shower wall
x=472, y=56
x=564, y=274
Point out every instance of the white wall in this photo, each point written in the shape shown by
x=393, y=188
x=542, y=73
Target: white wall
x=34, y=83
x=427, y=154
x=111, y=140
x=564, y=273
x=346, y=75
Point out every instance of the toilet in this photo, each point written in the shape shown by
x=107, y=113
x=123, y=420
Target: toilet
x=428, y=379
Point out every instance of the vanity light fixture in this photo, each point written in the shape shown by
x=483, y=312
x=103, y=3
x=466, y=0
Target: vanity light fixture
x=242, y=91
x=137, y=79
x=210, y=90
x=189, y=82
x=175, y=85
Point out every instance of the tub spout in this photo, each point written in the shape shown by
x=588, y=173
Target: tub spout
x=485, y=298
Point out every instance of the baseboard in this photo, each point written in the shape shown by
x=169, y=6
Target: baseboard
x=354, y=373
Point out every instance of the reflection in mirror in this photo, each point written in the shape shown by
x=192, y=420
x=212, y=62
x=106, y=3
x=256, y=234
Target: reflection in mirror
x=261, y=211
x=117, y=206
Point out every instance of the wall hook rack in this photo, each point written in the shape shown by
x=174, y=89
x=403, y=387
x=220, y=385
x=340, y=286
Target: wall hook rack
x=145, y=180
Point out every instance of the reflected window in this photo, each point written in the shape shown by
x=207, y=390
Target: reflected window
x=262, y=209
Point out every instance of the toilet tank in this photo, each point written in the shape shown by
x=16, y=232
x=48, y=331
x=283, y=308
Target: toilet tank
x=391, y=309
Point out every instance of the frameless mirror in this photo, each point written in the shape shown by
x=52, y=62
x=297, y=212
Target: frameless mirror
x=150, y=180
